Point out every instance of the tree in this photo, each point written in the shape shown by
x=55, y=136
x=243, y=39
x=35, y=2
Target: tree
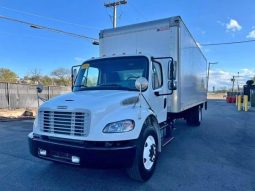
x=33, y=77
x=62, y=76
x=6, y=75
x=46, y=80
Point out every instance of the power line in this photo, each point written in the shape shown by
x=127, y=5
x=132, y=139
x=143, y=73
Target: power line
x=36, y=26
x=49, y=18
x=228, y=43
x=94, y=39
x=25, y=35
x=107, y=12
x=138, y=11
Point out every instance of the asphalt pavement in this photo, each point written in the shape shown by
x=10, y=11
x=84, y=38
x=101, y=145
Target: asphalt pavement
x=217, y=156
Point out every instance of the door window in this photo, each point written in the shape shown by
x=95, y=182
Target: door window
x=157, y=78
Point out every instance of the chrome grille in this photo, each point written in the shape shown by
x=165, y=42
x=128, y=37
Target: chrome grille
x=65, y=123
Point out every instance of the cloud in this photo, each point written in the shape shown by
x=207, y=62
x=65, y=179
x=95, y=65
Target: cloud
x=247, y=73
x=251, y=34
x=233, y=25
x=221, y=23
x=79, y=59
x=204, y=49
x=220, y=79
x=203, y=32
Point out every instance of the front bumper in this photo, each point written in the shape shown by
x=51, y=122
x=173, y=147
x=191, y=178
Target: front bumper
x=91, y=154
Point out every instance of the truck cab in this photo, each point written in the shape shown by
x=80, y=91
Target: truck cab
x=100, y=123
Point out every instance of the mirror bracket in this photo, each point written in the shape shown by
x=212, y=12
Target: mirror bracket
x=171, y=76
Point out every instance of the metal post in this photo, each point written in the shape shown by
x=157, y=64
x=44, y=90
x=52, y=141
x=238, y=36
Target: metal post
x=239, y=105
x=8, y=95
x=48, y=92
x=38, y=99
x=208, y=74
x=114, y=16
x=245, y=102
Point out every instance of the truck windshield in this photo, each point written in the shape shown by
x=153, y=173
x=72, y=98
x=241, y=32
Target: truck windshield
x=118, y=73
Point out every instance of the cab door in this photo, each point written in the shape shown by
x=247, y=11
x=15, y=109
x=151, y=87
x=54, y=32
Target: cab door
x=158, y=103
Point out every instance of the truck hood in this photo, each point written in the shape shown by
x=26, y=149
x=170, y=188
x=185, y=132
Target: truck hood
x=92, y=100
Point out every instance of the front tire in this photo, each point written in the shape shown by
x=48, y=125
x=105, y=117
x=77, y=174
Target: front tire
x=146, y=155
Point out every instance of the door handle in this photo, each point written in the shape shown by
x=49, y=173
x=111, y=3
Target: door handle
x=164, y=103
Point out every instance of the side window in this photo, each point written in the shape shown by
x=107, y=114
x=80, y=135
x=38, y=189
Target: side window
x=157, y=78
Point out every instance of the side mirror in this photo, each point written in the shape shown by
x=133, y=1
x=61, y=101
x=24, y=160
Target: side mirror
x=39, y=88
x=172, y=85
x=141, y=84
x=74, y=74
x=172, y=70
x=171, y=75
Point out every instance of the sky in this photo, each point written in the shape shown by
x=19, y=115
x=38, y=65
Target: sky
x=24, y=49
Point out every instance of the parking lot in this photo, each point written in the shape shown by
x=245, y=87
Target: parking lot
x=218, y=155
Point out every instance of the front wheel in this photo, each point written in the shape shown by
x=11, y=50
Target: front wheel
x=146, y=156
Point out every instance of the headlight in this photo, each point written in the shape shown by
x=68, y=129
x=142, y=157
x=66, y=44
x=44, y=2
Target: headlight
x=119, y=126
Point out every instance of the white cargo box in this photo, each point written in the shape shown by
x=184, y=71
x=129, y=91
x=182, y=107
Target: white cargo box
x=162, y=38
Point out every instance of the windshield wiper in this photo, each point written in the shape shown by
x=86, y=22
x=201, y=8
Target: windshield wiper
x=115, y=86
x=79, y=86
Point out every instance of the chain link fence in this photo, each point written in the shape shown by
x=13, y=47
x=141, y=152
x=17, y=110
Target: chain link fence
x=15, y=96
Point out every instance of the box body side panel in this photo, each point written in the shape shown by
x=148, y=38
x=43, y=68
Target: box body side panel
x=193, y=75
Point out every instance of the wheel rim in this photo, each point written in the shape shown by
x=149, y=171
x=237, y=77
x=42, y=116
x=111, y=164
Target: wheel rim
x=149, y=152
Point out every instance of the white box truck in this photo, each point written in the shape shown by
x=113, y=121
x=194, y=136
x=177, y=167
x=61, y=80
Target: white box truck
x=121, y=110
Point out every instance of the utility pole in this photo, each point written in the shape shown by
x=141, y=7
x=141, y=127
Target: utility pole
x=114, y=5
x=233, y=83
x=237, y=82
x=233, y=79
x=208, y=74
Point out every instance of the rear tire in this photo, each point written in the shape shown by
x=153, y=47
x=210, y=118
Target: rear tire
x=194, y=116
x=146, y=155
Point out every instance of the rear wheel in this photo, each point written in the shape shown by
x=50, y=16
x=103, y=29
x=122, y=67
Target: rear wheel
x=194, y=116
x=146, y=156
